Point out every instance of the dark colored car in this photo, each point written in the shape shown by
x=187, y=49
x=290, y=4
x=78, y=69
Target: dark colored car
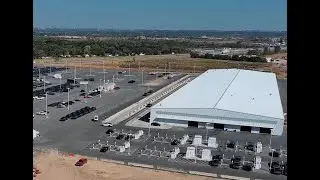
x=91, y=79
x=236, y=159
x=82, y=90
x=116, y=88
x=50, y=93
x=250, y=146
x=110, y=131
x=175, y=142
x=149, y=105
x=247, y=167
x=82, y=94
x=128, y=137
x=145, y=94
x=63, y=118
x=235, y=165
x=276, y=170
x=274, y=153
x=93, y=108
x=119, y=72
x=77, y=100
x=65, y=90
x=104, y=149
x=150, y=91
x=218, y=157
x=214, y=162
x=120, y=136
x=155, y=124
x=231, y=145
x=81, y=162
x=131, y=81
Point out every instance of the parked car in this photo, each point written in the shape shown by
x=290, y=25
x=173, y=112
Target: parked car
x=231, y=144
x=110, y=131
x=50, y=93
x=120, y=136
x=77, y=100
x=82, y=90
x=64, y=118
x=91, y=79
x=145, y=94
x=214, y=162
x=236, y=159
x=175, y=142
x=250, y=146
x=93, y=108
x=150, y=91
x=116, y=88
x=104, y=149
x=128, y=137
x=106, y=124
x=81, y=162
x=274, y=153
x=155, y=124
x=235, y=165
x=247, y=167
x=276, y=170
x=42, y=113
x=131, y=81
x=149, y=105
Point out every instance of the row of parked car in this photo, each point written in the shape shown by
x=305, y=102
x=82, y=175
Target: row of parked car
x=53, y=89
x=78, y=113
x=235, y=163
x=61, y=104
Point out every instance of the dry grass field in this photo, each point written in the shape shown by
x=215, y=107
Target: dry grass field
x=53, y=166
x=177, y=62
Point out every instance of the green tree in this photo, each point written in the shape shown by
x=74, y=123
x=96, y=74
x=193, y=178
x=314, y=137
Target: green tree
x=277, y=49
x=87, y=50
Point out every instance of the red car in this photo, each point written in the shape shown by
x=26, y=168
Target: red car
x=81, y=162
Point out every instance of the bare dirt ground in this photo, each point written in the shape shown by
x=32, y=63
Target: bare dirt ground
x=176, y=62
x=54, y=166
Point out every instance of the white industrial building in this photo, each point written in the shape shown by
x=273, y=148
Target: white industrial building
x=229, y=99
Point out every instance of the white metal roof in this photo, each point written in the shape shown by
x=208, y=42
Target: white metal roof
x=243, y=91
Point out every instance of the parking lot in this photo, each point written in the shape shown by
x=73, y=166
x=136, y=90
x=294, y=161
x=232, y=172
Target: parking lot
x=73, y=134
x=83, y=136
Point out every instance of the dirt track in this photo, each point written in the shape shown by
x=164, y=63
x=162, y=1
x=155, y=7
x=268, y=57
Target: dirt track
x=53, y=167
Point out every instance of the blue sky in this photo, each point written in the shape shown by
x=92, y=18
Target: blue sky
x=162, y=14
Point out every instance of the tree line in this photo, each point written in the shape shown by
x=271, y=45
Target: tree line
x=55, y=47
x=229, y=57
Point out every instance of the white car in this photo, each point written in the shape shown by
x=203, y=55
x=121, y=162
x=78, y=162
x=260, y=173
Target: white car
x=38, y=98
x=42, y=113
x=106, y=124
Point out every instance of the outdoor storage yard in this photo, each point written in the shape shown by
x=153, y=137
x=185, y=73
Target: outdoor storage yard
x=152, y=147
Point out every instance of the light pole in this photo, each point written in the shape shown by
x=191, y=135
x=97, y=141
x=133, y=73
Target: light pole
x=66, y=66
x=149, y=126
x=207, y=124
x=44, y=83
x=46, y=105
x=113, y=78
x=100, y=87
x=169, y=67
x=129, y=69
x=60, y=82
x=68, y=98
x=39, y=74
x=117, y=76
x=142, y=77
x=80, y=64
x=139, y=66
x=90, y=68
x=50, y=68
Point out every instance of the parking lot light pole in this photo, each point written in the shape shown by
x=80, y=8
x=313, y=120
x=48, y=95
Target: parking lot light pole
x=90, y=68
x=39, y=74
x=60, y=82
x=207, y=124
x=142, y=77
x=100, y=87
x=44, y=83
x=46, y=105
x=68, y=98
x=66, y=66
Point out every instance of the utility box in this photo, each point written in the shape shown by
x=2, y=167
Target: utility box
x=197, y=140
x=191, y=152
x=259, y=147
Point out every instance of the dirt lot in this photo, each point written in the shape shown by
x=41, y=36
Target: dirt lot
x=176, y=62
x=54, y=166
